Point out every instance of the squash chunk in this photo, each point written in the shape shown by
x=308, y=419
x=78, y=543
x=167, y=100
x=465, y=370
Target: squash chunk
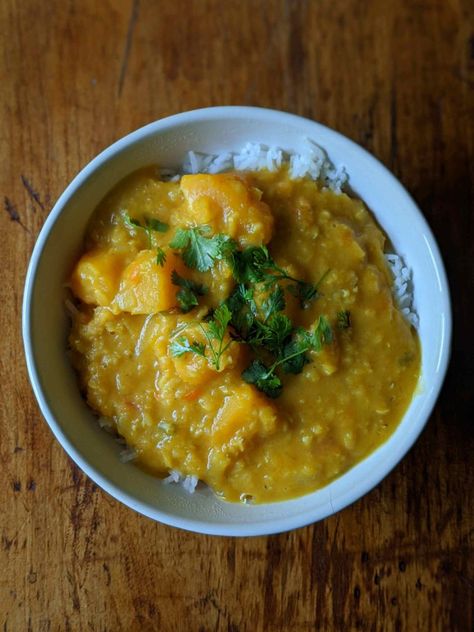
x=244, y=414
x=228, y=204
x=96, y=277
x=197, y=370
x=146, y=287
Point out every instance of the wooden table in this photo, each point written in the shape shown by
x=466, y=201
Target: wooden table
x=397, y=76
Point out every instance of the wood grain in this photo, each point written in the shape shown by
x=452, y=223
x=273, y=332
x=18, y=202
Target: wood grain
x=397, y=76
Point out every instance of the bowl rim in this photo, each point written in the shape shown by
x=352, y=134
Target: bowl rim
x=254, y=528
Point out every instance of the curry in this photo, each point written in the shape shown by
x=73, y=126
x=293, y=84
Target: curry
x=241, y=328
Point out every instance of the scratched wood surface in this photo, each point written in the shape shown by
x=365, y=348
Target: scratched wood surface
x=397, y=76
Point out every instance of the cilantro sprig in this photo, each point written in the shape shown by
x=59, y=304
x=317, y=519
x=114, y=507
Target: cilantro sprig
x=292, y=359
x=160, y=257
x=187, y=295
x=149, y=225
x=214, y=332
x=278, y=344
x=250, y=265
x=255, y=265
x=181, y=345
x=198, y=249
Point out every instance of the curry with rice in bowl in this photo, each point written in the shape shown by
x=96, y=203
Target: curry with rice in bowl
x=242, y=325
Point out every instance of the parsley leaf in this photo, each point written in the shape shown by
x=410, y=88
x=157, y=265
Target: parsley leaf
x=181, y=345
x=188, y=292
x=343, y=319
x=200, y=251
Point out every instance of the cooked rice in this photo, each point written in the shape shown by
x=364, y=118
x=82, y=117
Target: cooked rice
x=106, y=424
x=402, y=288
x=188, y=483
x=129, y=454
x=313, y=163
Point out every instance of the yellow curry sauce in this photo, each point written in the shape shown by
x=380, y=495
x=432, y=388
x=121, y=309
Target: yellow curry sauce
x=180, y=412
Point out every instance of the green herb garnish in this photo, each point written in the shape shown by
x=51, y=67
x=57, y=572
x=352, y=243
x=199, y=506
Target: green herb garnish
x=150, y=225
x=343, y=319
x=200, y=251
x=214, y=331
x=188, y=292
x=157, y=225
x=292, y=358
x=244, y=311
x=160, y=257
x=255, y=265
x=181, y=345
x=274, y=303
x=264, y=378
x=264, y=327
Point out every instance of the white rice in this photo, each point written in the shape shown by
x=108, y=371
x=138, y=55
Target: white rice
x=129, y=454
x=313, y=163
x=107, y=424
x=402, y=288
x=188, y=483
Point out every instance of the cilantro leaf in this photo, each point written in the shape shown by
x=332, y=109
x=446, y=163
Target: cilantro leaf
x=294, y=352
x=132, y=222
x=180, y=239
x=274, y=303
x=322, y=335
x=157, y=225
x=248, y=265
x=292, y=357
x=304, y=292
x=343, y=319
x=272, y=335
x=218, y=325
x=188, y=292
x=160, y=257
x=181, y=345
x=243, y=310
x=199, y=251
x=263, y=378
x=214, y=331
x=255, y=265
x=150, y=224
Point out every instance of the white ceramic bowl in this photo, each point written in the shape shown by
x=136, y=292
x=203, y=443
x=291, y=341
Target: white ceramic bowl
x=45, y=323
